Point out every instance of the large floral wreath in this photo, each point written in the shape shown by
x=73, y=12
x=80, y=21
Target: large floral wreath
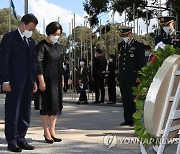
x=147, y=74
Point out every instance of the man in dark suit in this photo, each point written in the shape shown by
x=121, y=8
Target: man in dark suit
x=98, y=74
x=168, y=35
x=148, y=53
x=66, y=75
x=82, y=81
x=18, y=67
x=131, y=60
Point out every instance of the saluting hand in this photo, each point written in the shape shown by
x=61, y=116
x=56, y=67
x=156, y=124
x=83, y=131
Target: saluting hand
x=6, y=87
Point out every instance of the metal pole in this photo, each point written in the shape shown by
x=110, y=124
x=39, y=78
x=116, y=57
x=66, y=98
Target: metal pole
x=177, y=22
x=134, y=16
x=84, y=38
x=139, y=30
x=26, y=7
x=10, y=15
x=137, y=23
x=159, y=30
x=100, y=35
x=86, y=51
x=147, y=21
x=74, y=49
x=58, y=19
x=70, y=58
x=170, y=12
x=44, y=28
x=125, y=17
x=74, y=40
x=105, y=39
x=81, y=41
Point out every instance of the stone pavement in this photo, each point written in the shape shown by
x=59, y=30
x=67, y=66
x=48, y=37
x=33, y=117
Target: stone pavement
x=83, y=128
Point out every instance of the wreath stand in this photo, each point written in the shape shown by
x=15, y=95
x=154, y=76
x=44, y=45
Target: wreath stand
x=173, y=115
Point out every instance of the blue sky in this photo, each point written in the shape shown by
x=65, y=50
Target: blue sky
x=50, y=10
x=74, y=5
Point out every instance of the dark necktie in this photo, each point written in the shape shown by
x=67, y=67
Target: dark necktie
x=25, y=41
x=126, y=45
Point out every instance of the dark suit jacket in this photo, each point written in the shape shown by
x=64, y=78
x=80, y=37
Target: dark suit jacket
x=15, y=62
x=83, y=76
x=99, y=65
x=66, y=74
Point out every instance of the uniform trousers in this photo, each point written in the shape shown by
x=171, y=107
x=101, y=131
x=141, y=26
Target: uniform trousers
x=127, y=97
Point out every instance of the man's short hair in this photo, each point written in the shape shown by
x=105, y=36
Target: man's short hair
x=98, y=50
x=28, y=18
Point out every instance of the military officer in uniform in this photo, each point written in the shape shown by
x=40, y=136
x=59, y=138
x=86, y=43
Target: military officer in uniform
x=177, y=40
x=131, y=60
x=167, y=23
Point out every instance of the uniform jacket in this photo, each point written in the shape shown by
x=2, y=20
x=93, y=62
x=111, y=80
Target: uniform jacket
x=15, y=62
x=132, y=57
x=167, y=39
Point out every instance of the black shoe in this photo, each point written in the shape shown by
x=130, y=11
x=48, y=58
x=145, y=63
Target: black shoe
x=78, y=103
x=56, y=139
x=125, y=123
x=85, y=102
x=24, y=145
x=110, y=102
x=131, y=123
x=14, y=148
x=96, y=102
x=50, y=141
x=102, y=101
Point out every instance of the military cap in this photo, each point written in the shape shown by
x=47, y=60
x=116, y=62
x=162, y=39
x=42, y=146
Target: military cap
x=124, y=31
x=166, y=20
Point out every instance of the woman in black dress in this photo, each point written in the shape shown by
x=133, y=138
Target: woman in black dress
x=49, y=95
x=111, y=80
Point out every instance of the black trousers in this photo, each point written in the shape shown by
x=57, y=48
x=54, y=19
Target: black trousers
x=112, y=89
x=128, y=98
x=83, y=96
x=17, y=112
x=65, y=84
x=99, y=85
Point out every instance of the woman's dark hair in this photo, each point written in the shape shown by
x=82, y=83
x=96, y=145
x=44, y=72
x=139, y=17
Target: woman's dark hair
x=84, y=60
x=114, y=58
x=28, y=18
x=98, y=50
x=53, y=27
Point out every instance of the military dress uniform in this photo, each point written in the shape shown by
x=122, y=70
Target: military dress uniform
x=131, y=60
x=170, y=39
x=167, y=39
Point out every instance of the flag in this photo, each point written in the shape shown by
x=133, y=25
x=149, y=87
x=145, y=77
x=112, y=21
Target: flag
x=13, y=8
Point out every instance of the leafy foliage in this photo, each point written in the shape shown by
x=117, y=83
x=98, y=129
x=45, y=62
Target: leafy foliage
x=147, y=74
x=95, y=7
